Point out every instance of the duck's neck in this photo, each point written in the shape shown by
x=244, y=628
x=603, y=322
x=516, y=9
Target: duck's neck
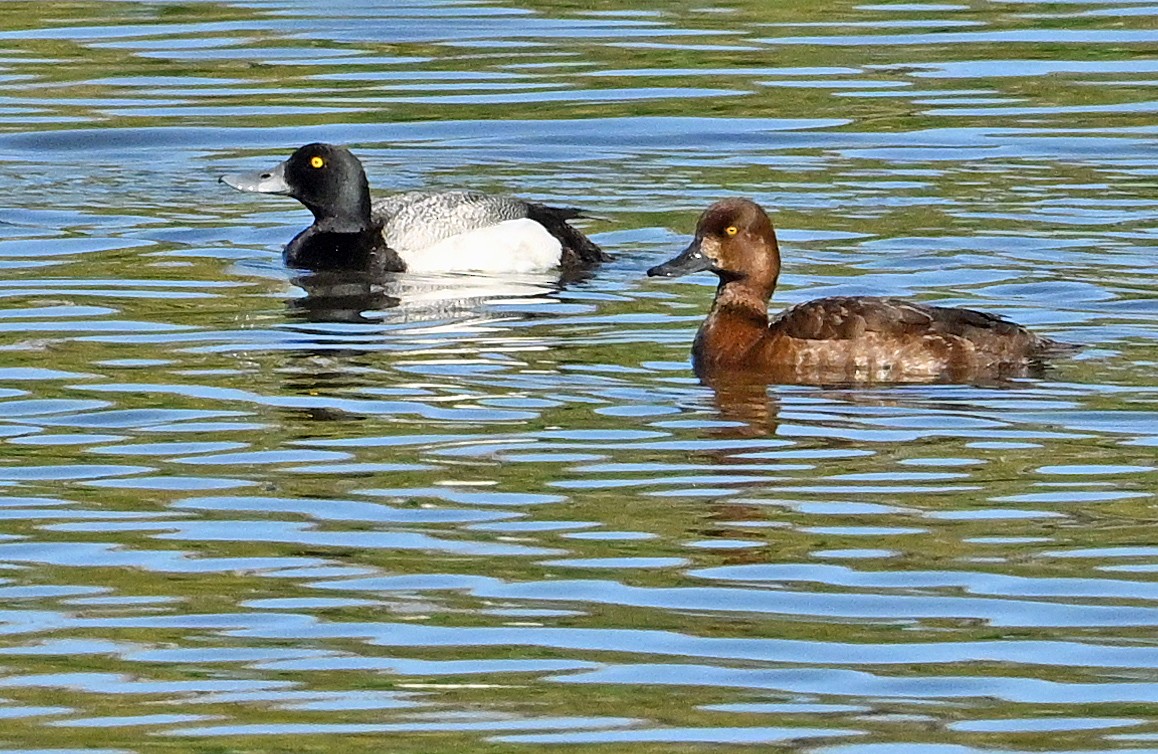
x=348, y=212
x=352, y=222
x=741, y=298
x=735, y=325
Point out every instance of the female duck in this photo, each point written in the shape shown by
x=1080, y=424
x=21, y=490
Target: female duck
x=450, y=231
x=842, y=339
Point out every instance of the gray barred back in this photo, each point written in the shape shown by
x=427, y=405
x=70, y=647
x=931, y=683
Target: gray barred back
x=415, y=220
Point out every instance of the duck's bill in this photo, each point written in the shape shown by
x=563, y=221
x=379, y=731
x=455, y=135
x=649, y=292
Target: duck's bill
x=690, y=260
x=265, y=182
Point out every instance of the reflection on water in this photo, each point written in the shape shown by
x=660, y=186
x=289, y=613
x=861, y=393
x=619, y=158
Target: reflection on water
x=352, y=297
x=247, y=509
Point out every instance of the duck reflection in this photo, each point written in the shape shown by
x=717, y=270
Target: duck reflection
x=749, y=407
x=340, y=297
x=337, y=296
x=752, y=407
x=349, y=328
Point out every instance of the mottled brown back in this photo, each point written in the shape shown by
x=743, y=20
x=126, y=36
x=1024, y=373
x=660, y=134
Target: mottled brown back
x=848, y=317
x=869, y=339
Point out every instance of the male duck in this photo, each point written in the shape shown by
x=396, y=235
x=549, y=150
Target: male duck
x=842, y=339
x=417, y=231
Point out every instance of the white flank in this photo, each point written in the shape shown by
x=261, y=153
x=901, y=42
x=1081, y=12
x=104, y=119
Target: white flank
x=510, y=246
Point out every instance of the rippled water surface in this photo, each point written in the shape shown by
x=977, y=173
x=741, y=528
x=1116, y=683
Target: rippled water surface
x=476, y=514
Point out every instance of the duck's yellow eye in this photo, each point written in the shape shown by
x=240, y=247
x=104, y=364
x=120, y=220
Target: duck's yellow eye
x=316, y=162
x=731, y=230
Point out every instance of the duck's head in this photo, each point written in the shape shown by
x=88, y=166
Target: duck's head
x=735, y=240
x=328, y=179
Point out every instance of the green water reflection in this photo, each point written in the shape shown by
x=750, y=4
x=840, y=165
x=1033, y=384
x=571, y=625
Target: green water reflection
x=501, y=514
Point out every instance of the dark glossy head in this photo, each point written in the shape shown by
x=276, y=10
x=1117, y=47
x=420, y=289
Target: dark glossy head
x=735, y=240
x=328, y=179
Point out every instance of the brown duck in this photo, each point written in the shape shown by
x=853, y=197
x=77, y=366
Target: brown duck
x=841, y=339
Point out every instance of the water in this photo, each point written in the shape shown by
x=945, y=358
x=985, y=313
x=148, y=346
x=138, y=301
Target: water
x=500, y=514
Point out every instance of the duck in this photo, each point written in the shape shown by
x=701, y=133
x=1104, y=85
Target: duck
x=839, y=339
x=415, y=231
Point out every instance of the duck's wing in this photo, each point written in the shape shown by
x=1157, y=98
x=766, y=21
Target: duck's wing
x=868, y=339
x=416, y=220
x=850, y=317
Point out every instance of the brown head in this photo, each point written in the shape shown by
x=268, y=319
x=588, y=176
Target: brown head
x=735, y=240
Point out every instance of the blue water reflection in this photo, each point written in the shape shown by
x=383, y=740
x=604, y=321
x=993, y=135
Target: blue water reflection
x=247, y=509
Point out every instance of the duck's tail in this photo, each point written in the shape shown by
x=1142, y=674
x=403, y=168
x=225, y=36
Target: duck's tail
x=1048, y=348
x=578, y=250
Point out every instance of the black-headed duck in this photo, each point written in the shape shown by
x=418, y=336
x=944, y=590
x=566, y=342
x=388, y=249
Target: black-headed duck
x=841, y=339
x=448, y=231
